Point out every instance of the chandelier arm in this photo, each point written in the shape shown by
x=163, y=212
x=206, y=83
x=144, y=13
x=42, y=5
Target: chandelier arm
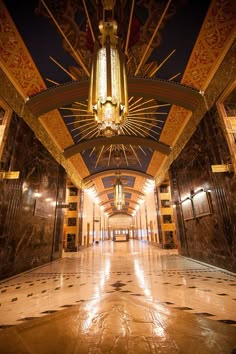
x=135, y=155
x=138, y=100
x=129, y=27
x=140, y=131
x=142, y=150
x=146, y=129
x=142, y=120
x=145, y=108
x=79, y=121
x=80, y=103
x=108, y=164
x=143, y=103
x=160, y=65
x=74, y=109
x=173, y=77
x=92, y=151
x=89, y=22
x=86, y=134
x=52, y=81
x=66, y=39
x=127, y=130
x=125, y=155
x=81, y=127
x=153, y=36
x=64, y=69
x=99, y=156
x=129, y=126
x=144, y=113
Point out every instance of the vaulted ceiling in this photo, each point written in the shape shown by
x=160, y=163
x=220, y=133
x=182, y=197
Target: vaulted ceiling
x=171, y=54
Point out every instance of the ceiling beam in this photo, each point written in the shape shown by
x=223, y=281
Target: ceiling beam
x=119, y=139
x=111, y=172
x=126, y=190
x=161, y=90
x=112, y=200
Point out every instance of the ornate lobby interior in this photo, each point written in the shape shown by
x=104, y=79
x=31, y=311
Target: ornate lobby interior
x=117, y=176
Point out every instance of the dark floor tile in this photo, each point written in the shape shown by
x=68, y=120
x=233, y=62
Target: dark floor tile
x=27, y=318
x=206, y=314
x=6, y=326
x=126, y=291
x=227, y=321
x=49, y=311
x=118, y=284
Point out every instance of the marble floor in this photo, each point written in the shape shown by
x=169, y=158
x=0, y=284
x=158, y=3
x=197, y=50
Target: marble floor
x=119, y=297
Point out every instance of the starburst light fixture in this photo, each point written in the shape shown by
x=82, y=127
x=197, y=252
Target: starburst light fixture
x=108, y=97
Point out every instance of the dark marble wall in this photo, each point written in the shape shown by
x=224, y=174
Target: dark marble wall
x=210, y=238
x=31, y=227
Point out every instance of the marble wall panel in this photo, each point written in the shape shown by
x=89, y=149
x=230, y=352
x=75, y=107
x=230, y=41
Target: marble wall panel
x=210, y=238
x=30, y=223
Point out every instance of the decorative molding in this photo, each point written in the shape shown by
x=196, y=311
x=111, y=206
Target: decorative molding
x=222, y=78
x=15, y=60
x=215, y=38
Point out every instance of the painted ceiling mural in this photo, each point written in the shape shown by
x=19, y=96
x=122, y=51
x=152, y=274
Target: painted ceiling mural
x=49, y=57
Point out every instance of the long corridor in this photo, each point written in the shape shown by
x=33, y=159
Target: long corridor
x=119, y=297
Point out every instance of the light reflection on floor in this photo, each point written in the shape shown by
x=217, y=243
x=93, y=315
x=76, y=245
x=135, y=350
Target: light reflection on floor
x=119, y=298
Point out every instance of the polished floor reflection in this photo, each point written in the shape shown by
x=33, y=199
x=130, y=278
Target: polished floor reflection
x=119, y=297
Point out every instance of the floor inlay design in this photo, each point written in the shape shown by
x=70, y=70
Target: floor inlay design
x=177, y=286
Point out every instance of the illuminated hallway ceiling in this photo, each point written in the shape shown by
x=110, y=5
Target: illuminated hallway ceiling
x=165, y=85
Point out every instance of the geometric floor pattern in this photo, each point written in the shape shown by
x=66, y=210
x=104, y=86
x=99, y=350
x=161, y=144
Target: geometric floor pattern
x=119, y=297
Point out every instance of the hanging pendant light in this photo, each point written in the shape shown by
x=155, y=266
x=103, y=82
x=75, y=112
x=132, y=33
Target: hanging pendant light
x=108, y=97
x=119, y=197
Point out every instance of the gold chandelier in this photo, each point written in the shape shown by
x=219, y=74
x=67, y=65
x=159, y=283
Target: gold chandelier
x=108, y=97
x=119, y=197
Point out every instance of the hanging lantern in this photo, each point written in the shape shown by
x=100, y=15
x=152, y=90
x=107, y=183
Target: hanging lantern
x=119, y=198
x=108, y=97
